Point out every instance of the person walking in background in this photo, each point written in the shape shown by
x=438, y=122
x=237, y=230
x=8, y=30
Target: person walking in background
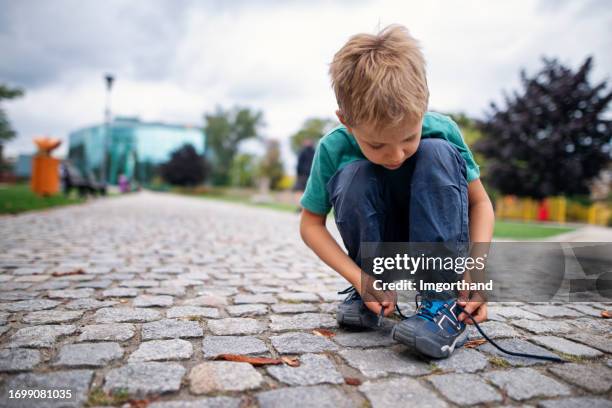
x=304, y=163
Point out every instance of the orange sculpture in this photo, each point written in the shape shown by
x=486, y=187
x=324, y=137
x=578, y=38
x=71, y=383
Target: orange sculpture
x=45, y=169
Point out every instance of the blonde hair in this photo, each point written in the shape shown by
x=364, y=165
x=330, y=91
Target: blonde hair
x=380, y=79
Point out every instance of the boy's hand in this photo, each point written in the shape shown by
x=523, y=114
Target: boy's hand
x=476, y=306
x=374, y=299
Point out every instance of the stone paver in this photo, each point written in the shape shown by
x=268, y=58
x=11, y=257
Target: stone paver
x=126, y=315
x=168, y=283
x=602, y=342
x=247, y=310
x=580, y=402
x=303, y=321
x=525, y=383
x=88, y=354
x=40, y=336
x=566, y=346
x=465, y=389
x=120, y=292
x=152, y=300
x=171, y=328
x=212, y=346
x=595, y=378
x=18, y=359
x=141, y=379
x=77, y=381
x=162, y=350
x=313, y=369
x=107, y=332
x=213, y=376
x=389, y=393
x=378, y=338
x=294, y=343
x=210, y=402
x=70, y=293
x=381, y=362
x=463, y=360
x=29, y=305
x=51, y=316
x=320, y=396
x=192, y=311
x=235, y=325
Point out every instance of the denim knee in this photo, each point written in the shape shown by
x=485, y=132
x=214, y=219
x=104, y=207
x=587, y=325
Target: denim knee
x=358, y=185
x=438, y=163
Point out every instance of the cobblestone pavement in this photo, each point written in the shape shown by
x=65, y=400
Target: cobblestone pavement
x=171, y=282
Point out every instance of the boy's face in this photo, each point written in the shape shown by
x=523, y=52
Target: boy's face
x=388, y=147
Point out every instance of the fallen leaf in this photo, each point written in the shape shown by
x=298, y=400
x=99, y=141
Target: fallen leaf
x=143, y=403
x=256, y=361
x=324, y=332
x=474, y=343
x=352, y=381
x=606, y=314
x=293, y=362
x=72, y=272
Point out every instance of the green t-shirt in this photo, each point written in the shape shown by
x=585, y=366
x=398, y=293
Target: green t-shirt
x=339, y=148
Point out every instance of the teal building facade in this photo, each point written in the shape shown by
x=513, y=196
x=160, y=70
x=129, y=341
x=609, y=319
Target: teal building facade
x=131, y=147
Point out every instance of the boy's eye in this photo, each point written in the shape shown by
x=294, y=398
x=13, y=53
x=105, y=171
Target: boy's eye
x=376, y=147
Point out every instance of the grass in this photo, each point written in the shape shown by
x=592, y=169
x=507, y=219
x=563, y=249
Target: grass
x=16, y=198
x=498, y=362
x=527, y=230
x=97, y=397
x=503, y=229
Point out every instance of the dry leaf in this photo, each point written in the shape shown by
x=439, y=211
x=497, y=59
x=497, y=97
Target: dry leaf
x=352, y=381
x=143, y=403
x=256, y=361
x=65, y=273
x=293, y=362
x=474, y=343
x=324, y=332
x=606, y=314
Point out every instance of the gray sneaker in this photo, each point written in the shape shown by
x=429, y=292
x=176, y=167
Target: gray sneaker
x=434, y=330
x=353, y=313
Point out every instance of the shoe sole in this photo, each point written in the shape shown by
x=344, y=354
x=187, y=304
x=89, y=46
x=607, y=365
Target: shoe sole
x=425, y=345
x=356, y=320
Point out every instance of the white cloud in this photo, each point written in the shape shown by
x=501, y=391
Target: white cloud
x=176, y=60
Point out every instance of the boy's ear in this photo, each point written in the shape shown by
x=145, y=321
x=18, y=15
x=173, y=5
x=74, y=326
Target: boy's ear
x=343, y=120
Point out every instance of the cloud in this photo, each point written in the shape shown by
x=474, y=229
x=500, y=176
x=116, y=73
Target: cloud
x=175, y=60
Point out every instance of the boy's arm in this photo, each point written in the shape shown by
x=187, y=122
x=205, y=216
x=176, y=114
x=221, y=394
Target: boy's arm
x=317, y=237
x=482, y=221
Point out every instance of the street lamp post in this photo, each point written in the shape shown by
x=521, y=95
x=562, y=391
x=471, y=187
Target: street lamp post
x=107, y=121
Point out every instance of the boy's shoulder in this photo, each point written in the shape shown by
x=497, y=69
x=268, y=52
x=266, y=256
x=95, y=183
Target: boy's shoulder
x=340, y=146
x=339, y=141
x=435, y=123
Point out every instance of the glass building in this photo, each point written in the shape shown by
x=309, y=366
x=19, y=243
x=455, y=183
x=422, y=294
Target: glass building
x=133, y=148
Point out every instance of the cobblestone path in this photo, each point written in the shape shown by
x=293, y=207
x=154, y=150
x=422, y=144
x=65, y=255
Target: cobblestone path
x=170, y=282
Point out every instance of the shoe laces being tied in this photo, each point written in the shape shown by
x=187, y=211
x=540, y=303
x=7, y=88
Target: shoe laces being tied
x=351, y=292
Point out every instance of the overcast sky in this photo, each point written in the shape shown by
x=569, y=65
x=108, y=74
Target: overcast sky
x=176, y=59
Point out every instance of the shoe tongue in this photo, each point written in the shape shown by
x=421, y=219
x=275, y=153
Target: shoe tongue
x=435, y=305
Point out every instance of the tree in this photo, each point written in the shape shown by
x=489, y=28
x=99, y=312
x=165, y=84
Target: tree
x=6, y=131
x=242, y=172
x=225, y=129
x=313, y=129
x=551, y=138
x=185, y=167
x=271, y=166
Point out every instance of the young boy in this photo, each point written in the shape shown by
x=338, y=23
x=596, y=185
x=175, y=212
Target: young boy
x=393, y=172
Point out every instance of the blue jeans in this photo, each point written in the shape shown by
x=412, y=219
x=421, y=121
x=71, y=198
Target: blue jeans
x=425, y=200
